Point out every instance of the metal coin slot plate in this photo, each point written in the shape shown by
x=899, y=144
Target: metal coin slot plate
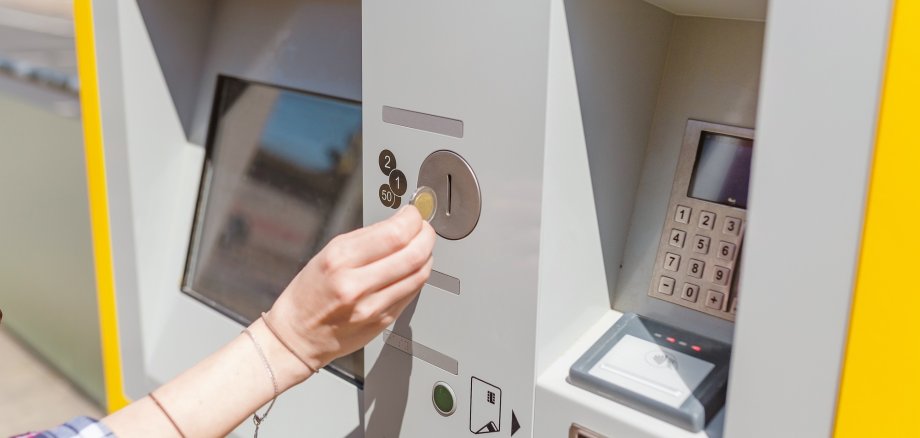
x=457, y=189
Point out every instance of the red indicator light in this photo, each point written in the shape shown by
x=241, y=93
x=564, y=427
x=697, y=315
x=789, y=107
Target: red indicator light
x=695, y=347
x=671, y=340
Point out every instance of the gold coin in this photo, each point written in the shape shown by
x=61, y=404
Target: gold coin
x=426, y=202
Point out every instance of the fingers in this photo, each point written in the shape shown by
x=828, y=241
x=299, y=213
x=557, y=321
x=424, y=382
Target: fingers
x=374, y=242
x=390, y=269
x=400, y=293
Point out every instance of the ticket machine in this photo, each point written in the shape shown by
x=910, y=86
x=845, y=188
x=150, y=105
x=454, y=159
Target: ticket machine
x=649, y=211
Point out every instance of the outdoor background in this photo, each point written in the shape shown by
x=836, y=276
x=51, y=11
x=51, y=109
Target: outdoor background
x=50, y=360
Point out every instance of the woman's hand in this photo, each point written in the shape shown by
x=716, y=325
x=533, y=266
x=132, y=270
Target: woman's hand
x=354, y=288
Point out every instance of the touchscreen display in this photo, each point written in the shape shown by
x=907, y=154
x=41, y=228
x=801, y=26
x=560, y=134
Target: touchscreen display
x=282, y=177
x=722, y=170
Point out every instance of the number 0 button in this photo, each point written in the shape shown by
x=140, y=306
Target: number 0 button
x=690, y=292
x=387, y=161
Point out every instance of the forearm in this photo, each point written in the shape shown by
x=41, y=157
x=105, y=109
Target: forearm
x=217, y=394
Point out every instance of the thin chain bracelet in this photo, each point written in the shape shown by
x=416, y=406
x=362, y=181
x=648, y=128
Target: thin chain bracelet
x=278, y=337
x=256, y=418
x=166, y=413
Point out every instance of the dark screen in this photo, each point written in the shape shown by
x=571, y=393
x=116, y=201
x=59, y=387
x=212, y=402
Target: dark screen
x=722, y=170
x=282, y=177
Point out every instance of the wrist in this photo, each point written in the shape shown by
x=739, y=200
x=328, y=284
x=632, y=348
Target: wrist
x=289, y=369
x=299, y=341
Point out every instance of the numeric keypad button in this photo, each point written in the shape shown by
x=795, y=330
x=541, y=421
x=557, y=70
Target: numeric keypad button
x=695, y=268
x=707, y=220
x=720, y=275
x=726, y=251
x=677, y=238
x=666, y=286
x=671, y=262
x=690, y=292
x=732, y=226
x=700, y=244
x=682, y=214
x=715, y=299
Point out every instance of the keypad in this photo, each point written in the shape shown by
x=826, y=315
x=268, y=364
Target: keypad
x=696, y=265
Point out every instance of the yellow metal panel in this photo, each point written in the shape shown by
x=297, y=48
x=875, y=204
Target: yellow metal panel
x=98, y=203
x=880, y=388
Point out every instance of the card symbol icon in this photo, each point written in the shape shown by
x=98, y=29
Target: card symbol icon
x=485, y=407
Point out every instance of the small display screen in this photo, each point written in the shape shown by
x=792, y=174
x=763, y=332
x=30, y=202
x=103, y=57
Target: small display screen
x=722, y=170
x=282, y=176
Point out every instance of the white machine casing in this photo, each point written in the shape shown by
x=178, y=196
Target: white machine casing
x=570, y=112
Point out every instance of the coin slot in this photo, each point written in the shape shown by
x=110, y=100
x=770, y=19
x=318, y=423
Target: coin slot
x=450, y=192
x=457, y=190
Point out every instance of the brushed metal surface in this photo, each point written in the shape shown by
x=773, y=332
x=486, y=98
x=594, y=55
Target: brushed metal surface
x=444, y=282
x=422, y=121
x=459, y=198
x=422, y=352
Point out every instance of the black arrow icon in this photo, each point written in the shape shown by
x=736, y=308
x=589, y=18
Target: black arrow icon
x=515, y=425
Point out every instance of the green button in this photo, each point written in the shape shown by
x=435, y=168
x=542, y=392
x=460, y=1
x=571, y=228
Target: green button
x=443, y=397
